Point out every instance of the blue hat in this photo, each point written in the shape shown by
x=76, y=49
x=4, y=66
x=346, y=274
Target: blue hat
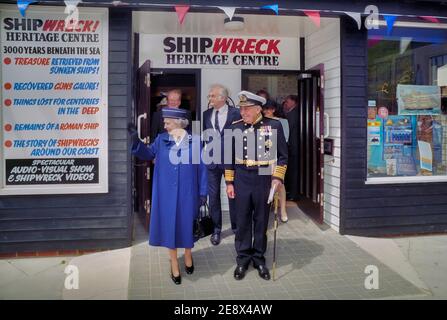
x=174, y=113
x=247, y=99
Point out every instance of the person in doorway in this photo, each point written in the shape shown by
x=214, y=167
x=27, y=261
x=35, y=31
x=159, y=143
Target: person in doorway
x=179, y=186
x=249, y=179
x=278, y=108
x=215, y=120
x=173, y=100
x=263, y=93
x=292, y=115
x=269, y=111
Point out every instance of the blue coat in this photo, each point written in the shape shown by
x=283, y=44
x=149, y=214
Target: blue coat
x=177, y=186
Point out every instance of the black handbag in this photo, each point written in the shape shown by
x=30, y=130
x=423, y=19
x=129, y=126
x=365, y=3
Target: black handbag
x=203, y=224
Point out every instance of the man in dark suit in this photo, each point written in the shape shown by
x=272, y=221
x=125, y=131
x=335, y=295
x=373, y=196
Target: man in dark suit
x=173, y=100
x=292, y=178
x=215, y=120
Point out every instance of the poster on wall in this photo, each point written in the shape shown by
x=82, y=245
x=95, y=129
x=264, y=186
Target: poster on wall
x=244, y=52
x=54, y=101
x=374, y=128
x=418, y=100
x=425, y=155
x=399, y=139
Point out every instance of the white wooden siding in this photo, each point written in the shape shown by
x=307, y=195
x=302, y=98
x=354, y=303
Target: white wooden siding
x=323, y=47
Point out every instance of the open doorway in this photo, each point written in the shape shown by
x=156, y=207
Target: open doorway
x=187, y=80
x=304, y=177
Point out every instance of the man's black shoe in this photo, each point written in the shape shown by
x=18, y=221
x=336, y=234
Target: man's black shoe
x=263, y=272
x=215, y=238
x=239, y=272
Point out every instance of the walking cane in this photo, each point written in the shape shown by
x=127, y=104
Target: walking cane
x=276, y=199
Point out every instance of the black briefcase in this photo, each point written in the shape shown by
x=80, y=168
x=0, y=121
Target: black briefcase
x=203, y=225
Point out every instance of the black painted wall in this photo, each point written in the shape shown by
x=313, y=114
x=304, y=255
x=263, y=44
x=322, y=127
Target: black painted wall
x=376, y=210
x=84, y=221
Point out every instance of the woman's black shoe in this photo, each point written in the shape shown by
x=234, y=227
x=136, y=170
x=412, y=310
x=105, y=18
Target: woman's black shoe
x=189, y=270
x=176, y=280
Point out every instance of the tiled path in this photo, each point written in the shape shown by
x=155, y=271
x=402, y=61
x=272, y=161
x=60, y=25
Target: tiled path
x=312, y=263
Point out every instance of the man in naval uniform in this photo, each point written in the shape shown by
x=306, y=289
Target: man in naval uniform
x=257, y=143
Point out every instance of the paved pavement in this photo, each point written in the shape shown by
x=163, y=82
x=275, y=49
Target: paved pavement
x=33, y=278
x=428, y=256
x=312, y=263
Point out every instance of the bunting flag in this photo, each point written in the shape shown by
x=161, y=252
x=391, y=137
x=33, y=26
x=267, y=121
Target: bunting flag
x=71, y=5
x=314, y=15
x=273, y=7
x=404, y=43
x=390, y=20
x=229, y=11
x=357, y=16
x=117, y=3
x=430, y=18
x=374, y=41
x=71, y=9
x=22, y=5
x=181, y=10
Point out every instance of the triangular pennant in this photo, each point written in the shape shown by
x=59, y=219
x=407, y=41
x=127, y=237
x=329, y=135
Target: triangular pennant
x=22, y=5
x=181, y=10
x=314, y=15
x=273, y=7
x=357, y=16
x=229, y=11
x=72, y=19
x=390, y=20
x=404, y=43
x=374, y=41
x=430, y=19
x=72, y=2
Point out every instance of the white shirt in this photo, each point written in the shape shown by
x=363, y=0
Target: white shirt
x=221, y=116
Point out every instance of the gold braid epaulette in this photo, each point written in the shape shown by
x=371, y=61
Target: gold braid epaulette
x=237, y=121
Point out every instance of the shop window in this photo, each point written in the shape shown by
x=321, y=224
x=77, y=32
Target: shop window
x=407, y=104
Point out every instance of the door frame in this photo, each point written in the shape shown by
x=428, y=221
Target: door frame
x=319, y=69
x=318, y=72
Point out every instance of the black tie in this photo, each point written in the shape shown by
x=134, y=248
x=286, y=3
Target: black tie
x=216, y=121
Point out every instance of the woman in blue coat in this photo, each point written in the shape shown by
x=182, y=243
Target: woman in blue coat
x=179, y=186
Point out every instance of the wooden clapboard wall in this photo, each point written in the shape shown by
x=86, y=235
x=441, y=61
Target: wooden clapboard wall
x=89, y=221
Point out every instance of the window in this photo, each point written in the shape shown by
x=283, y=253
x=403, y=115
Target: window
x=407, y=104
